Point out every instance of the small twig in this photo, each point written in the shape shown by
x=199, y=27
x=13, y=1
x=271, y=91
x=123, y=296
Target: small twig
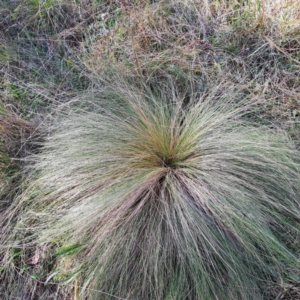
x=76, y=290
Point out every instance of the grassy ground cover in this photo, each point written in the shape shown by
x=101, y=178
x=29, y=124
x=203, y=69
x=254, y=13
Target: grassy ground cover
x=149, y=149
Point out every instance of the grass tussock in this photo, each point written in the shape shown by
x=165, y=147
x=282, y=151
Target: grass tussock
x=18, y=139
x=166, y=196
x=16, y=134
x=164, y=189
x=7, y=166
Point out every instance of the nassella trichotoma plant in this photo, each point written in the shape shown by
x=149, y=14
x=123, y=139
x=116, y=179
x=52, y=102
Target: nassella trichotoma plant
x=173, y=196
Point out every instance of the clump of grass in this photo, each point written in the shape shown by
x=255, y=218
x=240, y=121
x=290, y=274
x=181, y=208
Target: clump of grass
x=18, y=139
x=7, y=166
x=16, y=133
x=171, y=196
